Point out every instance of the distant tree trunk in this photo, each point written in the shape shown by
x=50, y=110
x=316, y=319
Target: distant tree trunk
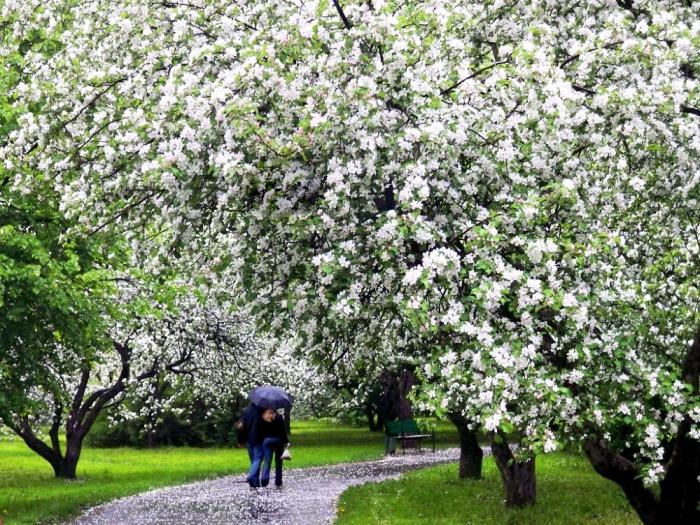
x=518, y=476
x=388, y=400
x=380, y=423
x=394, y=401
x=405, y=383
x=470, y=453
x=288, y=420
x=394, y=398
x=151, y=436
x=151, y=440
x=369, y=412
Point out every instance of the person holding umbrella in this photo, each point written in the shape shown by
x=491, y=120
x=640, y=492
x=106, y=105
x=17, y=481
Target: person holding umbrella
x=270, y=435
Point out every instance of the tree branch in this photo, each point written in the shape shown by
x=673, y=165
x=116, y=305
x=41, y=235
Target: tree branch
x=91, y=102
x=578, y=55
x=690, y=110
x=55, y=425
x=80, y=392
x=344, y=18
x=582, y=89
x=100, y=397
x=25, y=431
x=123, y=211
x=451, y=88
x=622, y=471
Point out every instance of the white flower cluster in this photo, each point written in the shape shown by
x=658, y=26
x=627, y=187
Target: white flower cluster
x=508, y=196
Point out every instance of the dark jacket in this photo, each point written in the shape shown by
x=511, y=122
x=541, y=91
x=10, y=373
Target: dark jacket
x=250, y=419
x=276, y=428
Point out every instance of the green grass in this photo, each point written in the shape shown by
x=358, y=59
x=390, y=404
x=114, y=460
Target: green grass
x=30, y=494
x=569, y=492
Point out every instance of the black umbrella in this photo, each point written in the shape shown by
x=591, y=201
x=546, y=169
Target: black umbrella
x=271, y=397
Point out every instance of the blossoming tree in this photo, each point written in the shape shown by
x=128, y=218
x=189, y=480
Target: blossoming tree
x=506, y=190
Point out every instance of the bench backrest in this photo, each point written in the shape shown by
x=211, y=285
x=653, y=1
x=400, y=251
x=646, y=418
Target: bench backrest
x=398, y=427
x=410, y=427
x=392, y=428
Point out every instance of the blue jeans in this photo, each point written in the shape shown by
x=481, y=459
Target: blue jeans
x=255, y=453
x=271, y=446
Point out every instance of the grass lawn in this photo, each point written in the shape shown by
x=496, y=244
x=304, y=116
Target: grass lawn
x=569, y=492
x=30, y=494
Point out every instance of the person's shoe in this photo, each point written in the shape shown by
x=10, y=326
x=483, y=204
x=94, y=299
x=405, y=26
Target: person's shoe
x=264, y=482
x=278, y=487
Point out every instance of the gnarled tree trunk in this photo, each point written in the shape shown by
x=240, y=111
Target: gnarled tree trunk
x=470, y=454
x=69, y=463
x=518, y=476
x=63, y=465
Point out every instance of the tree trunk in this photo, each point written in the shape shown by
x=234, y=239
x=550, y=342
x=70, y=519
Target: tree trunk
x=405, y=383
x=678, y=499
x=679, y=495
x=680, y=488
x=288, y=420
x=619, y=469
x=470, y=453
x=518, y=476
x=151, y=441
x=370, y=418
x=393, y=401
x=69, y=463
x=64, y=466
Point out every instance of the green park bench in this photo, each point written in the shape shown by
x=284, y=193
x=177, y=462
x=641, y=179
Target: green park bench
x=404, y=430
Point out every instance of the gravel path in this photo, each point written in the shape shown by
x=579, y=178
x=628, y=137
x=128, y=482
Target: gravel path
x=309, y=496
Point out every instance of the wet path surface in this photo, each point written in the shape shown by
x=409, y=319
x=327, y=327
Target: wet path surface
x=309, y=496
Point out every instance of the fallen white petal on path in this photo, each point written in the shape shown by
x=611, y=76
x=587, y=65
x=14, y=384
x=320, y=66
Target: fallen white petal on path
x=309, y=496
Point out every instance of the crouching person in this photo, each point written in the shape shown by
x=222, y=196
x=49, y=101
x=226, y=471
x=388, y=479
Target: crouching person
x=272, y=436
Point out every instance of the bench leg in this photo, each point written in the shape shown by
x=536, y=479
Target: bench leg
x=389, y=445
